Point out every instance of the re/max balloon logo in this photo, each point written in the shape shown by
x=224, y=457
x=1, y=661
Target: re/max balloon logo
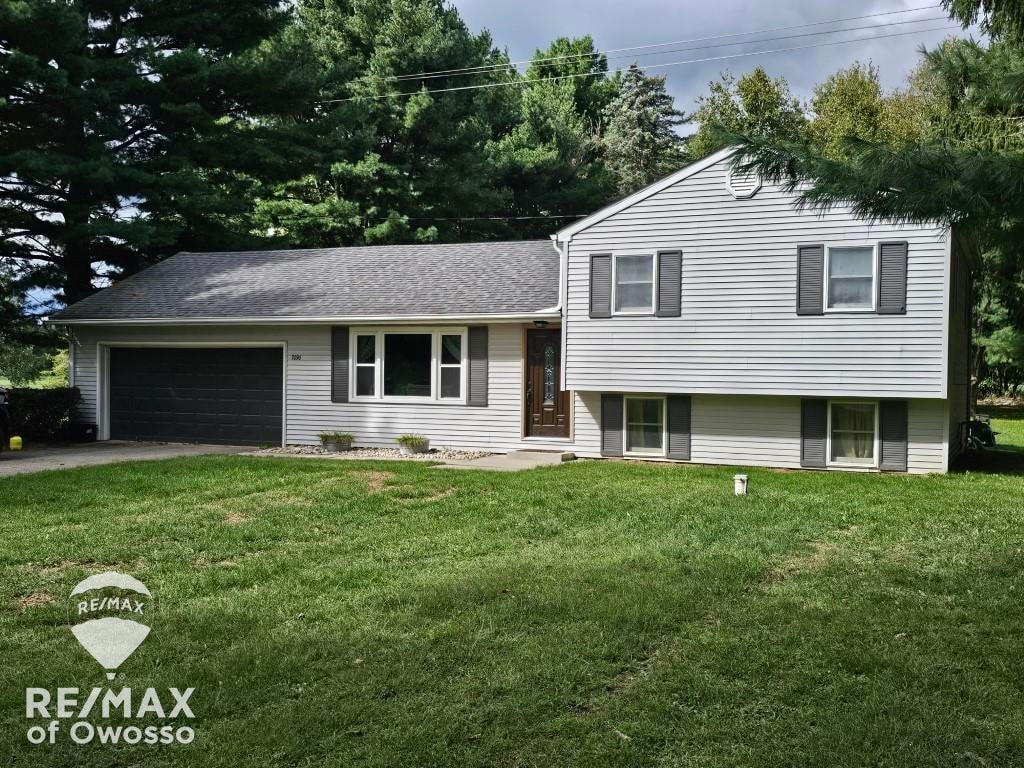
x=100, y=604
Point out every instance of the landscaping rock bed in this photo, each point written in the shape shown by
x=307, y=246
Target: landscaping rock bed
x=437, y=454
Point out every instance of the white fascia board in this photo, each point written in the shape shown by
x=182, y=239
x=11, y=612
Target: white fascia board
x=567, y=233
x=547, y=314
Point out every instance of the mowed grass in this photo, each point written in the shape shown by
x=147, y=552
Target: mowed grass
x=597, y=614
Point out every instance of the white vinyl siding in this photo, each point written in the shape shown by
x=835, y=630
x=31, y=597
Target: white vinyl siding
x=738, y=332
x=734, y=430
x=764, y=431
x=308, y=407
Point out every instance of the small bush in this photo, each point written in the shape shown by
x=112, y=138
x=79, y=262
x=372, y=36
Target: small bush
x=412, y=441
x=336, y=437
x=41, y=414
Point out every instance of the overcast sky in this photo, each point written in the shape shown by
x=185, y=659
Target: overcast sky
x=522, y=26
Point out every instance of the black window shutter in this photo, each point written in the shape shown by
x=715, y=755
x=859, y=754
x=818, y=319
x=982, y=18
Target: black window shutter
x=601, y=285
x=670, y=280
x=611, y=425
x=679, y=427
x=477, y=395
x=810, y=279
x=892, y=279
x=892, y=425
x=339, y=364
x=813, y=432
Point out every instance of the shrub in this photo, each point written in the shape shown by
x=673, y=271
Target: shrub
x=41, y=414
x=337, y=437
x=412, y=441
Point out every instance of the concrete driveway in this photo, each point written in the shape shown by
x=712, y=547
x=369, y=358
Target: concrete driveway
x=39, y=458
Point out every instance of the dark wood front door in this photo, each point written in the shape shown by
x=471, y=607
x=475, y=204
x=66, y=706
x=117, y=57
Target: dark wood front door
x=547, y=406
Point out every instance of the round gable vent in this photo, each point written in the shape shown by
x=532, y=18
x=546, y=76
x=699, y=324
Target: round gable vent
x=743, y=185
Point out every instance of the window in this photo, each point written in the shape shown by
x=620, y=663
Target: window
x=366, y=365
x=451, y=366
x=634, y=284
x=408, y=359
x=413, y=363
x=850, y=278
x=645, y=426
x=853, y=428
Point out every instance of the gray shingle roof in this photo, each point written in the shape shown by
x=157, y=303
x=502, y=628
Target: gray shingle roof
x=380, y=281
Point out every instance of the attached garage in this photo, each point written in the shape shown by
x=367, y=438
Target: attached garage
x=228, y=395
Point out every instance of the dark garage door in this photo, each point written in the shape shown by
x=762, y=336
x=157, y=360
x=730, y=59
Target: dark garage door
x=222, y=395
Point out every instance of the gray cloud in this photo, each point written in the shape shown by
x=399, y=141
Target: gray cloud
x=523, y=26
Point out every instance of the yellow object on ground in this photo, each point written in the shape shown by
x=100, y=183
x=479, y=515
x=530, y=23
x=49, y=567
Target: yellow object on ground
x=15, y=443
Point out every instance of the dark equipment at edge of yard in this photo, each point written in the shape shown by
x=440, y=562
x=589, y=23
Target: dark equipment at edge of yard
x=980, y=433
x=5, y=421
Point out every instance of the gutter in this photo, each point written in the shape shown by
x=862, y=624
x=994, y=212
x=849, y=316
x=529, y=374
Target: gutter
x=553, y=313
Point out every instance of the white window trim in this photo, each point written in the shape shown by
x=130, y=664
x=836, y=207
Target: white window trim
x=655, y=257
x=435, y=334
x=874, y=278
x=848, y=462
x=625, y=426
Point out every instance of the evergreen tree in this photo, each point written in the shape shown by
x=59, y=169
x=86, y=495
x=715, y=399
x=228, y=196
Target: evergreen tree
x=641, y=142
x=393, y=162
x=125, y=128
x=551, y=162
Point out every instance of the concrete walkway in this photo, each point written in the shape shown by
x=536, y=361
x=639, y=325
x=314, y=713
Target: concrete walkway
x=40, y=458
x=513, y=461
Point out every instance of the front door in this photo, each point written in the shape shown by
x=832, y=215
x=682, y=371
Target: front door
x=547, y=406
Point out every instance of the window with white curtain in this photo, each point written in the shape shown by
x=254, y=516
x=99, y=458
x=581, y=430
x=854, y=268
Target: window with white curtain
x=853, y=429
x=645, y=426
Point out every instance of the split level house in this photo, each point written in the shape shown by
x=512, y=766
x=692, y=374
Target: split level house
x=705, y=318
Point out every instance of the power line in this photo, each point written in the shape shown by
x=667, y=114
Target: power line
x=499, y=218
x=489, y=67
x=750, y=42
x=528, y=81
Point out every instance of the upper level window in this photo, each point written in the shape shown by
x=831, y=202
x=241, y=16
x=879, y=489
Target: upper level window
x=413, y=363
x=634, y=284
x=850, y=278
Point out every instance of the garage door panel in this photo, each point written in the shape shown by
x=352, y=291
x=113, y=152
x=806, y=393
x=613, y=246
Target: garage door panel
x=221, y=395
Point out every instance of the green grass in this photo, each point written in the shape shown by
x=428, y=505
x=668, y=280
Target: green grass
x=597, y=614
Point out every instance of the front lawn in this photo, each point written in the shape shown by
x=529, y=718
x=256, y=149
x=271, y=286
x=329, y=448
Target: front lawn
x=597, y=614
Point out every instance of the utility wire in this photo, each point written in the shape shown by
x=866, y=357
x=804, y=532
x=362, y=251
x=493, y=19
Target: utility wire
x=740, y=42
x=528, y=81
x=595, y=54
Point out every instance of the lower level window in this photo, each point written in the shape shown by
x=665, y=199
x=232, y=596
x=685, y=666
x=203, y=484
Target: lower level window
x=645, y=425
x=852, y=430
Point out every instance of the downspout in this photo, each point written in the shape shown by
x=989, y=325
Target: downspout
x=563, y=300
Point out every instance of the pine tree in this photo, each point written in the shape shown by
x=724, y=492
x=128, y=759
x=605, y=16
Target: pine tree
x=392, y=162
x=641, y=144
x=125, y=127
x=551, y=161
